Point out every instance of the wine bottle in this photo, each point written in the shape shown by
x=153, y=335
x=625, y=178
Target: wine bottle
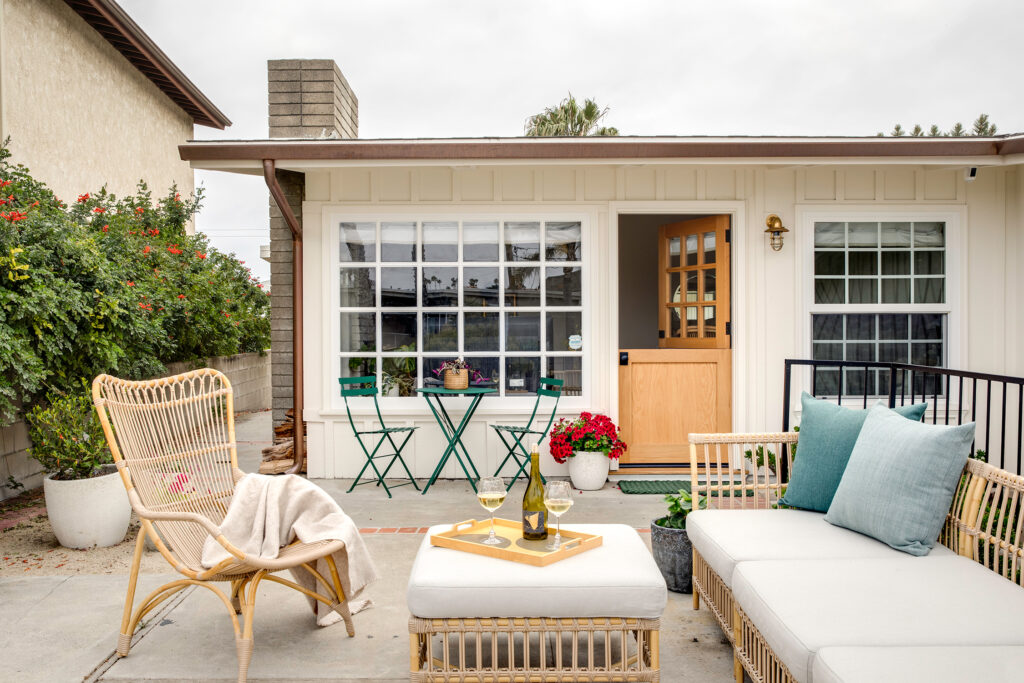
x=535, y=527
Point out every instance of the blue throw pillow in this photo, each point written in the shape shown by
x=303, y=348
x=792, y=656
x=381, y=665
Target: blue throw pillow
x=827, y=435
x=900, y=480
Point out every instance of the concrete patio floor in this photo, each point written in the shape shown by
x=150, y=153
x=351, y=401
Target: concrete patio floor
x=64, y=628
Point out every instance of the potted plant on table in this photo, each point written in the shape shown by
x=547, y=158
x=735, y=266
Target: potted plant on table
x=455, y=373
x=85, y=500
x=670, y=543
x=589, y=443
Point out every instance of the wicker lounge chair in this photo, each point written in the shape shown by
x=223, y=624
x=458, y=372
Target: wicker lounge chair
x=173, y=440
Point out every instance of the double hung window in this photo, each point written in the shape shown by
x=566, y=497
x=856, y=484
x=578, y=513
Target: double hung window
x=880, y=294
x=505, y=295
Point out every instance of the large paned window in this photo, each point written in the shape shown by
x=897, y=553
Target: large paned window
x=880, y=294
x=504, y=295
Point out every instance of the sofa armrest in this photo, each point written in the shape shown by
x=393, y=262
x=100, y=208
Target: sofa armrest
x=741, y=470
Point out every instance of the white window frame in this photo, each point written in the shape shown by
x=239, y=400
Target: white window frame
x=492, y=404
x=955, y=261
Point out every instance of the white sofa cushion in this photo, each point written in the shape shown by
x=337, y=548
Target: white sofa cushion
x=617, y=579
x=937, y=664
x=802, y=606
x=725, y=537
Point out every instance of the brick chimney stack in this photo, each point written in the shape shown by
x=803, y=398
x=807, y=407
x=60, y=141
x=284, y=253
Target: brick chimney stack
x=308, y=98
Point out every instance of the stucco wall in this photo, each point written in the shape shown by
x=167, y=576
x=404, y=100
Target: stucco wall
x=770, y=321
x=78, y=113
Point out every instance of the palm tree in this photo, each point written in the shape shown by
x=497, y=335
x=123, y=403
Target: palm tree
x=569, y=119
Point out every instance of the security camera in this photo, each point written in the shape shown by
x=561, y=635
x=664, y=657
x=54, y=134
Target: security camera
x=970, y=174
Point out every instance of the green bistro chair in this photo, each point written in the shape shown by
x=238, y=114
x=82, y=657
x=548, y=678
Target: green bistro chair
x=354, y=386
x=517, y=452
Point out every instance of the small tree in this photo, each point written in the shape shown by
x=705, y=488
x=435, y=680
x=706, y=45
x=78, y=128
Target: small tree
x=957, y=131
x=569, y=119
x=983, y=127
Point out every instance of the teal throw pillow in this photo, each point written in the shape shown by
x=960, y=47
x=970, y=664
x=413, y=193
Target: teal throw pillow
x=827, y=435
x=900, y=480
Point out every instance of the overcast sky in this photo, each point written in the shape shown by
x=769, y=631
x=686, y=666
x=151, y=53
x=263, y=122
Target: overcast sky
x=476, y=68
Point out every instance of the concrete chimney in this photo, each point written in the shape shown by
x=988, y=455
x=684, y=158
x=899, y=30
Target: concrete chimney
x=310, y=98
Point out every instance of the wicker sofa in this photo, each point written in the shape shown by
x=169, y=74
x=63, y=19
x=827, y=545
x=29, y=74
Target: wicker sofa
x=803, y=600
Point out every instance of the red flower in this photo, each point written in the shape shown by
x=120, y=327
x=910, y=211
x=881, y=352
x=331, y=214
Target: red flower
x=139, y=209
x=227, y=315
x=146, y=250
x=99, y=209
x=35, y=203
x=83, y=197
x=177, y=196
x=130, y=283
x=106, y=228
x=5, y=183
x=200, y=255
x=260, y=285
x=181, y=296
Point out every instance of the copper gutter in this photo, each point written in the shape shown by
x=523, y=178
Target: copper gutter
x=299, y=439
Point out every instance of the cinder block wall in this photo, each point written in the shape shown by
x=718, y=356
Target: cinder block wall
x=249, y=374
x=310, y=99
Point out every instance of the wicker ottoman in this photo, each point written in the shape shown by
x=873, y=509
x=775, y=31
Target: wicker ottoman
x=591, y=617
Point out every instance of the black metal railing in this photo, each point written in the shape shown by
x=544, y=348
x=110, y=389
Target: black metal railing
x=994, y=402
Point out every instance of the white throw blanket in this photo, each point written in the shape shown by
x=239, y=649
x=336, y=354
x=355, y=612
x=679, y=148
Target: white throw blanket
x=270, y=512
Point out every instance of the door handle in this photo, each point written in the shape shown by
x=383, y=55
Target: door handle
x=623, y=357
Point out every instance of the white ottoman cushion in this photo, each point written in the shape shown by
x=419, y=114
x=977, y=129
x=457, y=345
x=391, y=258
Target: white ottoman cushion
x=939, y=664
x=725, y=537
x=802, y=606
x=618, y=579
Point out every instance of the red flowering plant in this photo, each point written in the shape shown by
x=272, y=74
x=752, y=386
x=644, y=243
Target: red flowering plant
x=588, y=432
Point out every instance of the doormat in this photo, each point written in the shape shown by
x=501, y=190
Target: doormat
x=662, y=487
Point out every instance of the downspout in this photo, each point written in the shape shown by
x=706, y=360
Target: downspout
x=299, y=439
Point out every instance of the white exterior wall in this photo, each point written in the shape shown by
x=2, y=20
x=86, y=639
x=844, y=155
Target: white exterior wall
x=770, y=322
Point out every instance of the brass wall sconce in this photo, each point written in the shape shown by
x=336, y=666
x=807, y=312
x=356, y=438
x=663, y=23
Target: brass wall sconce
x=775, y=230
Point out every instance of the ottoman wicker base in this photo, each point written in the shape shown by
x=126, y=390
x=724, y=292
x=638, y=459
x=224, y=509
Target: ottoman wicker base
x=533, y=650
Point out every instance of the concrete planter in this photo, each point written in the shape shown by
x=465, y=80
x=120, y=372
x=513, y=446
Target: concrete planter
x=88, y=513
x=588, y=470
x=674, y=556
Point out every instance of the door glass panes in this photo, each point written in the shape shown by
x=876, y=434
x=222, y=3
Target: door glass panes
x=522, y=241
x=879, y=263
x=673, y=252
x=398, y=241
x=569, y=370
x=709, y=321
x=481, y=331
x=709, y=247
x=358, y=242
x=480, y=286
x=691, y=250
x=709, y=284
x=440, y=286
x=441, y=241
x=521, y=375
x=398, y=287
x=398, y=332
x=886, y=337
x=440, y=331
x=358, y=332
x=563, y=242
x=691, y=286
x=358, y=287
x=674, y=293
x=564, y=286
x=480, y=241
x=522, y=286
x=507, y=296
x=691, y=322
x=675, y=322
x=564, y=331
x=522, y=331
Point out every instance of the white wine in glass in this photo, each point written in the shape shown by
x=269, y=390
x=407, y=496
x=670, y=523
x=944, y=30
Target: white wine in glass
x=558, y=500
x=490, y=491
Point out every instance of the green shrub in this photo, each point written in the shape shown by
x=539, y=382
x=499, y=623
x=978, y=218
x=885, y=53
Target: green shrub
x=111, y=285
x=679, y=506
x=67, y=438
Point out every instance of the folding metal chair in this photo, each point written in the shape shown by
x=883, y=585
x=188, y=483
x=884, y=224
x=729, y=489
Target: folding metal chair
x=356, y=386
x=549, y=388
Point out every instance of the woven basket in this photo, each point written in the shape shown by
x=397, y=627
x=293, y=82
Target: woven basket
x=456, y=379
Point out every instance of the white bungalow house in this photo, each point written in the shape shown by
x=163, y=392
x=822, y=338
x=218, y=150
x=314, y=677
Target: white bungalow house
x=638, y=270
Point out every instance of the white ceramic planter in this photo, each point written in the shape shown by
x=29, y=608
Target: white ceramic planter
x=88, y=513
x=588, y=470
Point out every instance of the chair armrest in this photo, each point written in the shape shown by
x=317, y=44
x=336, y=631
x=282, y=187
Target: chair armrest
x=181, y=516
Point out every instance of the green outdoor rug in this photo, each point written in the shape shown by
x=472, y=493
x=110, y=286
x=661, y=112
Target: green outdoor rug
x=661, y=487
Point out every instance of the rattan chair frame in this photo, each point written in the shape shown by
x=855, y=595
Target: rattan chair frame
x=170, y=438
x=985, y=523
x=566, y=649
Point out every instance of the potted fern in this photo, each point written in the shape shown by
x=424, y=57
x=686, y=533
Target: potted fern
x=671, y=545
x=85, y=500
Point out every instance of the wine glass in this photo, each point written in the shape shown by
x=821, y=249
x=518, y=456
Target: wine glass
x=558, y=500
x=490, y=491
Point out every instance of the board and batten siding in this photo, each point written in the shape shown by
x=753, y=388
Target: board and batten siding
x=768, y=311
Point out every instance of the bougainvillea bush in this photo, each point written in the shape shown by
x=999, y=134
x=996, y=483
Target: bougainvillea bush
x=98, y=283
x=586, y=433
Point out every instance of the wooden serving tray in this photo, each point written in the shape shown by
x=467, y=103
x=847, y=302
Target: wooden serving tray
x=468, y=537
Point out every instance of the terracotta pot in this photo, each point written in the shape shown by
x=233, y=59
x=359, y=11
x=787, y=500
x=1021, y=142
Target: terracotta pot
x=88, y=513
x=588, y=470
